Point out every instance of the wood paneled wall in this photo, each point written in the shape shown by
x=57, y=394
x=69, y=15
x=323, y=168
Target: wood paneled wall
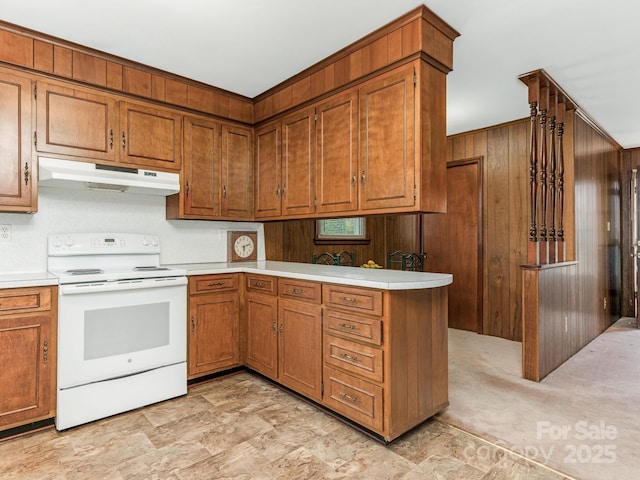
x=505, y=177
x=588, y=292
x=630, y=160
x=292, y=240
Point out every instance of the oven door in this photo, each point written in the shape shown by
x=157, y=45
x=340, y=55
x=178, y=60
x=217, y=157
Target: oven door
x=108, y=330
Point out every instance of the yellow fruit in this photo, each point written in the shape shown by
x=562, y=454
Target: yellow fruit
x=371, y=262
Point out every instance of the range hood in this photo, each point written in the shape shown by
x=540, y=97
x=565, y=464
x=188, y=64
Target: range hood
x=58, y=173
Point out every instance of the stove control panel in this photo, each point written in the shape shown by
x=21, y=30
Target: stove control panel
x=102, y=243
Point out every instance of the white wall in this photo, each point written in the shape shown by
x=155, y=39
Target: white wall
x=67, y=211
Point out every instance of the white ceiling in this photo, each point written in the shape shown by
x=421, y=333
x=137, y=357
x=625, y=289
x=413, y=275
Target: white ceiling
x=591, y=48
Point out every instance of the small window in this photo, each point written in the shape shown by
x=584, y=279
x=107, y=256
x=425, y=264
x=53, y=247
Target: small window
x=341, y=231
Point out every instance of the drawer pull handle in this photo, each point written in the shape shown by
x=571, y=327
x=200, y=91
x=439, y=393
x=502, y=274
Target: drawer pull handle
x=258, y=284
x=215, y=284
x=45, y=350
x=349, y=299
x=297, y=291
x=348, y=397
x=344, y=325
x=349, y=357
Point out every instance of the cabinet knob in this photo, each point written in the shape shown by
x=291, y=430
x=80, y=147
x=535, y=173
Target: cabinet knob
x=124, y=141
x=274, y=328
x=111, y=139
x=45, y=350
x=27, y=173
x=193, y=325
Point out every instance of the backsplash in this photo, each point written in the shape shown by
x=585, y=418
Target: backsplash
x=62, y=211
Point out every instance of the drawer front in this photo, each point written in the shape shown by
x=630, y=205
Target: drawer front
x=262, y=284
x=366, y=329
x=357, y=399
x=22, y=300
x=300, y=290
x=354, y=299
x=353, y=357
x=212, y=283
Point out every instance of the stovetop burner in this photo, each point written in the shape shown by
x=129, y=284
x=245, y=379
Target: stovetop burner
x=84, y=271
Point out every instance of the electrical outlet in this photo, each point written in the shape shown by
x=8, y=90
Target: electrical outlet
x=5, y=233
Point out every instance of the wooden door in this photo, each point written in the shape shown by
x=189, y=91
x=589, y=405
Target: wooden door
x=202, y=168
x=267, y=180
x=237, y=172
x=300, y=347
x=337, y=154
x=298, y=163
x=453, y=243
x=262, y=334
x=17, y=191
x=77, y=122
x=27, y=356
x=150, y=136
x=213, y=332
x=387, y=141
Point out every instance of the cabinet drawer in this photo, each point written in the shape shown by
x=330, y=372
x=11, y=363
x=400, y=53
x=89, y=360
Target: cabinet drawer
x=366, y=329
x=353, y=357
x=353, y=298
x=357, y=399
x=300, y=290
x=262, y=284
x=21, y=300
x=212, y=283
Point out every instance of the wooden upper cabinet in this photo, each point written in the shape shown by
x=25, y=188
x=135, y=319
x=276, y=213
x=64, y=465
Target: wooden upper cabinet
x=17, y=190
x=77, y=122
x=199, y=195
x=237, y=172
x=298, y=163
x=337, y=154
x=268, y=187
x=150, y=136
x=387, y=140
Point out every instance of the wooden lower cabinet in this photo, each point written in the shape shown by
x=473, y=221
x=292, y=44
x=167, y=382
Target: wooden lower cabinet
x=385, y=356
x=213, y=324
x=262, y=333
x=28, y=334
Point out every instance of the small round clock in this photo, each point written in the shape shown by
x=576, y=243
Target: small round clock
x=243, y=246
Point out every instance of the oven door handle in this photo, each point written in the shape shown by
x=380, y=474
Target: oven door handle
x=120, y=285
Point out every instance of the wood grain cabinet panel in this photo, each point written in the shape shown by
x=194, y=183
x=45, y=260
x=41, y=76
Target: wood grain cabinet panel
x=387, y=141
x=237, y=172
x=28, y=326
x=268, y=183
x=262, y=333
x=213, y=324
x=337, y=153
x=76, y=122
x=150, y=136
x=298, y=163
x=200, y=189
x=17, y=189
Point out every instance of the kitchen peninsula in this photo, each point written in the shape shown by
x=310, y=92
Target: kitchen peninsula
x=369, y=345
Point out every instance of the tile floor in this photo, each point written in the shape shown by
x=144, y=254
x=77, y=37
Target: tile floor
x=243, y=427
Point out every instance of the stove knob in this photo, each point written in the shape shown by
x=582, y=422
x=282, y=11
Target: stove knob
x=57, y=243
x=68, y=242
x=154, y=242
x=145, y=242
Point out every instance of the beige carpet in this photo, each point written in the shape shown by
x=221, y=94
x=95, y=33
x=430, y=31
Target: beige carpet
x=581, y=420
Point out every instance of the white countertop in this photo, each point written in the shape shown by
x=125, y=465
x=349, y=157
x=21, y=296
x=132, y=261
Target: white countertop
x=357, y=276
x=27, y=279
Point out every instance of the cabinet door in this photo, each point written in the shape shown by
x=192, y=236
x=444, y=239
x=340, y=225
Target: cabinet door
x=267, y=180
x=262, y=334
x=337, y=154
x=77, y=122
x=27, y=356
x=17, y=192
x=387, y=141
x=150, y=136
x=213, y=332
x=300, y=348
x=298, y=163
x=237, y=172
x=201, y=168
